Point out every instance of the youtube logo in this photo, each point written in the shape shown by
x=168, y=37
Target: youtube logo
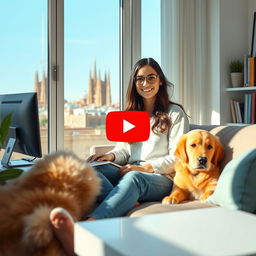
x=127, y=126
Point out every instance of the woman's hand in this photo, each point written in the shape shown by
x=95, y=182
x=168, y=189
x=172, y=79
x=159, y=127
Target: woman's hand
x=140, y=168
x=101, y=157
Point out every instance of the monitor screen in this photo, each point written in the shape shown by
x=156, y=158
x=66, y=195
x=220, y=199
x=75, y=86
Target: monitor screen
x=24, y=132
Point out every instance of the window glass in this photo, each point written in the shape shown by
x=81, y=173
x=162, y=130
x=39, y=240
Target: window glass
x=91, y=73
x=150, y=29
x=23, y=52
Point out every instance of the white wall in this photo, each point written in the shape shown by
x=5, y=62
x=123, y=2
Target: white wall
x=233, y=45
x=228, y=39
x=213, y=49
x=229, y=26
x=251, y=10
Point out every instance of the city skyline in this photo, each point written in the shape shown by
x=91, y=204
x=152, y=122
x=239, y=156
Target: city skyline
x=98, y=89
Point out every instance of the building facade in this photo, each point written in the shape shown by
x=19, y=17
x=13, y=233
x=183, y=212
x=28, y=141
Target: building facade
x=40, y=87
x=99, y=93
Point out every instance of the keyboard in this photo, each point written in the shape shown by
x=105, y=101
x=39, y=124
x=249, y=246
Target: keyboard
x=20, y=163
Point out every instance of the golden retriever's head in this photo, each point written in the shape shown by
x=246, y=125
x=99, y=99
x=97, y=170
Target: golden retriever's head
x=199, y=149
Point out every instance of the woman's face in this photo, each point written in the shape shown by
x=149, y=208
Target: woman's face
x=147, y=82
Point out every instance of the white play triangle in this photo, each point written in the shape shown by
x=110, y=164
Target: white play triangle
x=127, y=126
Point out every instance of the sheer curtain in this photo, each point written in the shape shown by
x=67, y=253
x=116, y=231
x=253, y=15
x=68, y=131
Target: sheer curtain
x=184, y=54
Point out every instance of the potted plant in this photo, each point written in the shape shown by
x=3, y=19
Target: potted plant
x=236, y=70
x=10, y=173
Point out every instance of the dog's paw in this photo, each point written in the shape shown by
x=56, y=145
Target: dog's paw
x=205, y=196
x=170, y=200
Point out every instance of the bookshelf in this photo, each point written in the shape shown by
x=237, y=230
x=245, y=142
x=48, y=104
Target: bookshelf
x=238, y=95
x=242, y=89
x=231, y=26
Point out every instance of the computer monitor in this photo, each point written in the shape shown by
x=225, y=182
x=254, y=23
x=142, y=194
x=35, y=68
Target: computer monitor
x=24, y=132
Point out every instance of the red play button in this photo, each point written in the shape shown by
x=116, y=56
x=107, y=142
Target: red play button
x=127, y=126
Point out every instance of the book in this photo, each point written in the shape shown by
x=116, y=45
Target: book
x=232, y=107
x=97, y=163
x=246, y=80
x=253, y=111
x=251, y=71
x=246, y=108
x=249, y=108
x=239, y=116
x=241, y=104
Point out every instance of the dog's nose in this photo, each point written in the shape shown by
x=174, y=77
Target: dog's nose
x=202, y=160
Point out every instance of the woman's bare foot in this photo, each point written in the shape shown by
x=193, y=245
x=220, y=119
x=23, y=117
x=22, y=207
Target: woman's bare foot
x=63, y=227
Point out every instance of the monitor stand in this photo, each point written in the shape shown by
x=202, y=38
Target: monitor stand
x=19, y=163
x=6, y=162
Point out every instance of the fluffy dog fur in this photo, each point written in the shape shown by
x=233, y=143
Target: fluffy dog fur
x=60, y=179
x=196, y=170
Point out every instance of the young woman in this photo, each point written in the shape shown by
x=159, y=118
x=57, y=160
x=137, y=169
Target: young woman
x=146, y=166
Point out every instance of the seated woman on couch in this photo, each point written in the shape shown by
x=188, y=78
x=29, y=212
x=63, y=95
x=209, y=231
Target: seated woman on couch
x=146, y=166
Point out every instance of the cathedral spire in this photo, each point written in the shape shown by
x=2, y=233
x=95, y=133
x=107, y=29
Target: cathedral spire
x=95, y=71
x=98, y=92
x=105, y=77
x=36, y=77
x=43, y=90
x=108, y=91
x=90, y=90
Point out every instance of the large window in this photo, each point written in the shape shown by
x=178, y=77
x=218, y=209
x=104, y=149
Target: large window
x=23, y=52
x=91, y=73
x=151, y=29
x=91, y=82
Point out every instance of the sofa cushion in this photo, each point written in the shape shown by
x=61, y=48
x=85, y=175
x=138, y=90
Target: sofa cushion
x=236, y=188
x=157, y=207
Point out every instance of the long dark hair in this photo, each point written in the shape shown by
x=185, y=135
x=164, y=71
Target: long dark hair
x=162, y=103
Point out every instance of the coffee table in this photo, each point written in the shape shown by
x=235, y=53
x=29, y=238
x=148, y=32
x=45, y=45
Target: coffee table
x=208, y=231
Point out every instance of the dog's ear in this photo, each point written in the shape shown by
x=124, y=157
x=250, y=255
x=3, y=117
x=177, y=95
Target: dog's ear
x=180, y=151
x=219, y=152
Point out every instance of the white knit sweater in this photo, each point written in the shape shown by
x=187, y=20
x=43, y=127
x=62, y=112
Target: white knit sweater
x=159, y=148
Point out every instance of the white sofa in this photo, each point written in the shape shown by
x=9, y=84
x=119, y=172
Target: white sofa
x=236, y=141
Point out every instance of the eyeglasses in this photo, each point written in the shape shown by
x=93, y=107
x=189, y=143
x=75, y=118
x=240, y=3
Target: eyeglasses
x=151, y=79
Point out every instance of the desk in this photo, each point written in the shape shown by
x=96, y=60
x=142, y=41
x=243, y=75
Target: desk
x=24, y=168
x=208, y=231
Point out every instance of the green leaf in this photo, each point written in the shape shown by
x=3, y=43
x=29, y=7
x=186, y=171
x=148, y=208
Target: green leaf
x=4, y=128
x=9, y=174
x=236, y=66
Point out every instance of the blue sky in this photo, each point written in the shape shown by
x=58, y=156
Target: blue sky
x=91, y=34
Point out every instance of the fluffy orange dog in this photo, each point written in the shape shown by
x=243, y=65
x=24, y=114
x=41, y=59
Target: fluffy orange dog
x=60, y=179
x=196, y=171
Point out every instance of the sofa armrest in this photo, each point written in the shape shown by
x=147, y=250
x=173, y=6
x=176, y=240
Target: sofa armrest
x=204, y=127
x=100, y=149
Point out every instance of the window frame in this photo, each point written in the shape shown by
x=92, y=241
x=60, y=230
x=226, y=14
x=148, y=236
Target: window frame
x=56, y=75
x=130, y=42
x=130, y=52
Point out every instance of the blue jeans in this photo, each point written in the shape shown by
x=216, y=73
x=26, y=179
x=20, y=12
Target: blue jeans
x=119, y=194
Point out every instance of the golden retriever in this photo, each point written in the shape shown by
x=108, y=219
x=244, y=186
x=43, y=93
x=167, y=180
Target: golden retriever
x=196, y=170
x=58, y=180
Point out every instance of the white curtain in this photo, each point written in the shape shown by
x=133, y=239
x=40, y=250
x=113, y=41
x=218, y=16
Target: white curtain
x=184, y=54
